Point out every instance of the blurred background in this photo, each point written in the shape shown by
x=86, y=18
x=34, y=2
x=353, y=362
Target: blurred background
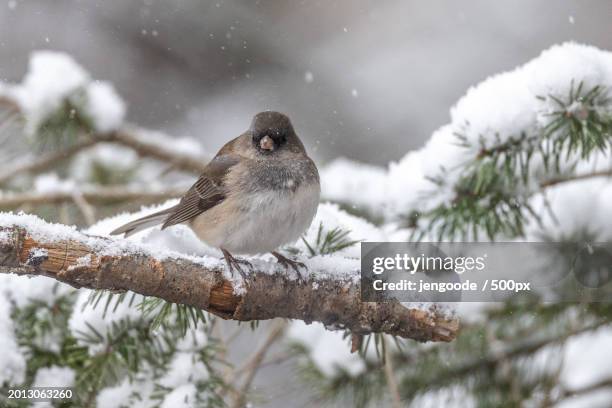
x=362, y=79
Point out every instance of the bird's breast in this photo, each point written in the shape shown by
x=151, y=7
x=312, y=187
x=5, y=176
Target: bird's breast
x=266, y=206
x=271, y=218
x=286, y=176
x=259, y=222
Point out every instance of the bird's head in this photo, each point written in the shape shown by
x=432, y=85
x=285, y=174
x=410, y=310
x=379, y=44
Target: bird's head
x=272, y=132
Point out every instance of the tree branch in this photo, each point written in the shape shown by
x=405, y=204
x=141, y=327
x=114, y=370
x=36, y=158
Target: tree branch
x=254, y=363
x=9, y=104
x=128, y=135
x=28, y=246
x=396, y=400
x=575, y=177
x=492, y=359
x=183, y=162
x=45, y=161
x=578, y=392
x=97, y=195
x=88, y=212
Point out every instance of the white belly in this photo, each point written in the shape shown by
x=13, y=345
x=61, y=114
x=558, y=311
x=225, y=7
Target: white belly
x=261, y=223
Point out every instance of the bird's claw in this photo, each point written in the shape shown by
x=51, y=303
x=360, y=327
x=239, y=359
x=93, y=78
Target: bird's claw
x=290, y=263
x=234, y=263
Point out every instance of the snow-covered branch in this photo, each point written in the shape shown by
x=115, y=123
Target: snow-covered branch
x=575, y=177
x=45, y=161
x=97, y=195
x=58, y=91
x=29, y=246
x=162, y=151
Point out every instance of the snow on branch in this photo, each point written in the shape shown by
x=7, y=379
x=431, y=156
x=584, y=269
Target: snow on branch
x=547, y=122
x=98, y=195
x=30, y=246
x=58, y=94
x=161, y=147
x=44, y=162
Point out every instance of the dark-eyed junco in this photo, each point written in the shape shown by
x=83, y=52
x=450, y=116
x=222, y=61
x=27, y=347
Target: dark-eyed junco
x=259, y=192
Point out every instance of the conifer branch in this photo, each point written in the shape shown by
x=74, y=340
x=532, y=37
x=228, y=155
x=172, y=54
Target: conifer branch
x=522, y=348
x=127, y=135
x=45, y=161
x=575, y=177
x=97, y=263
x=255, y=362
x=129, y=138
x=97, y=195
x=568, y=393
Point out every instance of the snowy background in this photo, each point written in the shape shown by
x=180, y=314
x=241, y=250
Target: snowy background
x=373, y=85
x=362, y=79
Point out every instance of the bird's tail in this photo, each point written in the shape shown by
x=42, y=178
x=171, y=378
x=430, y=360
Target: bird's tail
x=143, y=223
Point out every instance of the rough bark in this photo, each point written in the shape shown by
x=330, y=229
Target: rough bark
x=335, y=303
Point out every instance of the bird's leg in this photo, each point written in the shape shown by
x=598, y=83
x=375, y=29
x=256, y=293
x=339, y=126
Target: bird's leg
x=286, y=263
x=235, y=263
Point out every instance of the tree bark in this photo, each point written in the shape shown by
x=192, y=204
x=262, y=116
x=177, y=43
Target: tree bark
x=93, y=262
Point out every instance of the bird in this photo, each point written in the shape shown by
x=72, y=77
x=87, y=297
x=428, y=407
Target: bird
x=260, y=191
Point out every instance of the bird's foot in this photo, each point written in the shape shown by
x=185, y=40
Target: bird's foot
x=290, y=263
x=234, y=263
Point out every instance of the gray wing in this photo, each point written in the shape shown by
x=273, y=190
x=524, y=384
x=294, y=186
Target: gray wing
x=207, y=192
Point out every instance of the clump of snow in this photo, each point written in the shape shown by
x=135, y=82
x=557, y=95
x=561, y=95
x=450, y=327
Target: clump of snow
x=135, y=393
x=181, y=397
x=107, y=155
x=54, y=78
x=5, y=237
x=38, y=253
x=51, y=183
x=184, y=368
x=39, y=228
x=570, y=208
x=184, y=372
x=326, y=267
x=22, y=291
x=195, y=339
x=179, y=145
x=54, y=376
x=104, y=106
x=85, y=316
x=344, y=178
x=410, y=187
x=12, y=361
x=328, y=350
x=502, y=107
x=586, y=359
x=594, y=399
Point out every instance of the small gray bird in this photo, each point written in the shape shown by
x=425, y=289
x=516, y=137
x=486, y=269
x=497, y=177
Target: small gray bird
x=259, y=192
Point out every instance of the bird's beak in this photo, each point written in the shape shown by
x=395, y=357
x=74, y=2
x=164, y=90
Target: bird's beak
x=266, y=143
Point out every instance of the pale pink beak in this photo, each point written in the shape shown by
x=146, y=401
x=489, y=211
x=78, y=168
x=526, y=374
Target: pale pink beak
x=266, y=143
